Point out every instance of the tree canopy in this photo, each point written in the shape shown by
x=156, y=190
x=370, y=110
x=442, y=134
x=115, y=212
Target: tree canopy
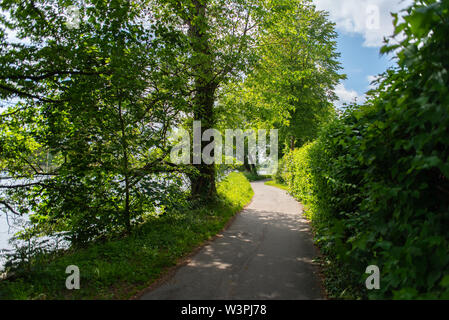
x=291, y=86
x=85, y=135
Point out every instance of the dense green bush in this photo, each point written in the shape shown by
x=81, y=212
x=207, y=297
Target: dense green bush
x=297, y=173
x=278, y=175
x=376, y=181
x=236, y=189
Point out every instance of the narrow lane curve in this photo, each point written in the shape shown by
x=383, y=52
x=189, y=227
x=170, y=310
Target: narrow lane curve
x=266, y=253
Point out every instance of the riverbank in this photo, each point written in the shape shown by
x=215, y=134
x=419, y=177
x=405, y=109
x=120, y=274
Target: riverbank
x=119, y=269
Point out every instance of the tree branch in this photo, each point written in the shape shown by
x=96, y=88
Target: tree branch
x=23, y=94
x=47, y=74
x=10, y=208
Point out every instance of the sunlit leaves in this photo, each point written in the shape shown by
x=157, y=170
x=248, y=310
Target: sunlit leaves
x=379, y=173
x=291, y=84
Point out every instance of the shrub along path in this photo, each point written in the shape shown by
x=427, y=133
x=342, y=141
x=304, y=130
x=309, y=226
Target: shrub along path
x=266, y=253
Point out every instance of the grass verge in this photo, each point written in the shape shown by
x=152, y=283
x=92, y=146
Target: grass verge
x=255, y=177
x=277, y=185
x=119, y=269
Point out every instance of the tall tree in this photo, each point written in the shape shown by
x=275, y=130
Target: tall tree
x=219, y=37
x=99, y=99
x=292, y=85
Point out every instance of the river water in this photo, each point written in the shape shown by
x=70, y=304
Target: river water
x=9, y=225
x=7, y=231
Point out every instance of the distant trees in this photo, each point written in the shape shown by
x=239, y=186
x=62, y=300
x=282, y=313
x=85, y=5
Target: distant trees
x=291, y=86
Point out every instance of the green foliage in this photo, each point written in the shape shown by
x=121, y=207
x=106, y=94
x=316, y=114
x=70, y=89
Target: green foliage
x=236, y=189
x=251, y=176
x=95, y=102
x=98, y=103
x=377, y=180
x=277, y=185
x=279, y=171
x=290, y=87
x=297, y=173
x=119, y=268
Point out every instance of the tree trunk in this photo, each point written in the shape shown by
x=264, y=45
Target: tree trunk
x=126, y=208
x=249, y=167
x=202, y=185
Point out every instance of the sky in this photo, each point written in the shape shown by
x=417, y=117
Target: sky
x=361, y=26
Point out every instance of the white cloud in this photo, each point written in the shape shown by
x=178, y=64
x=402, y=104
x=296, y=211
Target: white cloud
x=347, y=96
x=370, y=18
x=370, y=79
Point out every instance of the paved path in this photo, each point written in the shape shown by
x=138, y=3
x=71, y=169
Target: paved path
x=266, y=253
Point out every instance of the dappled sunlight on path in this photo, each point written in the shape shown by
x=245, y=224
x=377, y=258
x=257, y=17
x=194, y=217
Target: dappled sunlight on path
x=266, y=253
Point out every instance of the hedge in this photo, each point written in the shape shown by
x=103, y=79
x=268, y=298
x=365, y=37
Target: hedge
x=376, y=182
